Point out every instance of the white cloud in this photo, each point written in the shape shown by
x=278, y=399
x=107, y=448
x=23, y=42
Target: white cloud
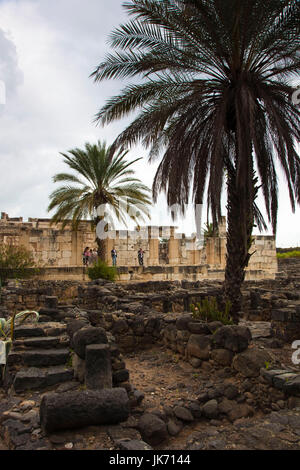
x=48, y=50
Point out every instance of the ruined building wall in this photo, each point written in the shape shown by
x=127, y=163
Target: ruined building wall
x=50, y=245
x=163, y=247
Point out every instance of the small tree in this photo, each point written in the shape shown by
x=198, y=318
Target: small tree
x=101, y=270
x=100, y=177
x=16, y=262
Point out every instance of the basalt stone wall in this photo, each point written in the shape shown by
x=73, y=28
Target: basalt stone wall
x=198, y=342
x=30, y=294
x=286, y=323
x=290, y=268
x=194, y=340
x=277, y=301
x=131, y=332
x=286, y=314
x=158, y=296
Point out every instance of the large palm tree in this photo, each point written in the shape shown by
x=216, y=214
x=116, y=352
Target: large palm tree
x=102, y=185
x=211, y=86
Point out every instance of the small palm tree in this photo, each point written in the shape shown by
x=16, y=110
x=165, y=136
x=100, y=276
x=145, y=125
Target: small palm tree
x=101, y=179
x=210, y=231
x=213, y=96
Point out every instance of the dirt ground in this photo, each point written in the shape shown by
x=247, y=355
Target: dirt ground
x=166, y=380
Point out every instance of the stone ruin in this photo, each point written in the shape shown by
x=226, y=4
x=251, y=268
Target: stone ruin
x=168, y=255
x=67, y=382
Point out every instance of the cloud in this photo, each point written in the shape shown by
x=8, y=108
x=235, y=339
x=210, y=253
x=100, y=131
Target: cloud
x=10, y=73
x=48, y=50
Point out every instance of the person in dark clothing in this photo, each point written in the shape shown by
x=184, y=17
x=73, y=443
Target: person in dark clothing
x=85, y=256
x=114, y=257
x=141, y=257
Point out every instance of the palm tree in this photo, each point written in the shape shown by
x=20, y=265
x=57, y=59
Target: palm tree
x=102, y=181
x=213, y=96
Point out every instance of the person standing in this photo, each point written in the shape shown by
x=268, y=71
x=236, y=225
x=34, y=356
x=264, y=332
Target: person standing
x=89, y=257
x=141, y=257
x=94, y=256
x=85, y=256
x=114, y=257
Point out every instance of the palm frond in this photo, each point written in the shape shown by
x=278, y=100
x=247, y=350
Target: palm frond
x=101, y=177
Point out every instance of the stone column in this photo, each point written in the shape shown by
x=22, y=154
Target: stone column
x=173, y=248
x=153, y=240
x=79, y=409
x=212, y=251
x=223, y=252
x=98, y=372
x=24, y=239
x=76, y=250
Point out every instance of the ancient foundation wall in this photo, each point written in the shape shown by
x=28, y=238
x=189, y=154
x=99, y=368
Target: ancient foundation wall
x=24, y=295
x=168, y=255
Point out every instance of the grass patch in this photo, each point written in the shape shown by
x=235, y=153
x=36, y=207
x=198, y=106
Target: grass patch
x=289, y=254
x=208, y=311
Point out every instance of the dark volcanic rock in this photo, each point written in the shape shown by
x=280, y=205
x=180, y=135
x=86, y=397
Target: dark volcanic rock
x=231, y=391
x=120, y=376
x=292, y=386
x=214, y=326
x=249, y=363
x=198, y=328
x=199, y=346
x=83, y=408
x=174, y=427
x=98, y=372
x=34, y=378
x=183, y=322
x=210, y=409
x=73, y=326
x=222, y=356
x=234, y=338
x=86, y=336
x=153, y=429
x=128, y=444
x=183, y=413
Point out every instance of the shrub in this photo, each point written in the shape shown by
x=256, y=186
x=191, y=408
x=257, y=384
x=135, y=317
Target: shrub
x=207, y=310
x=16, y=262
x=289, y=254
x=101, y=270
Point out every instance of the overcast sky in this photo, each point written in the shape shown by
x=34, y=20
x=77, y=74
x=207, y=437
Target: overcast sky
x=48, y=49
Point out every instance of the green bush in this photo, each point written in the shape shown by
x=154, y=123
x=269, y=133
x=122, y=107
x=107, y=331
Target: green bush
x=16, y=262
x=101, y=270
x=289, y=254
x=207, y=310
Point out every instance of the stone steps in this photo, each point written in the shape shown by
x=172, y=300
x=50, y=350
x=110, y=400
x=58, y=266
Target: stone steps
x=38, y=357
x=29, y=331
x=40, y=330
x=47, y=342
x=40, y=378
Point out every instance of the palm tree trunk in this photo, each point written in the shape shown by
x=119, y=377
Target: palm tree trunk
x=101, y=249
x=238, y=244
x=101, y=242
